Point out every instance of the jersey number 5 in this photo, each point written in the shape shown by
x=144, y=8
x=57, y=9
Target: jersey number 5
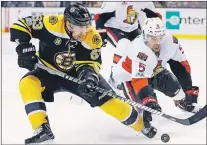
x=141, y=67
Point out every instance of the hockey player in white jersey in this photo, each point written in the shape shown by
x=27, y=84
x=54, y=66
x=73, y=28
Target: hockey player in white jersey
x=119, y=23
x=143, y=69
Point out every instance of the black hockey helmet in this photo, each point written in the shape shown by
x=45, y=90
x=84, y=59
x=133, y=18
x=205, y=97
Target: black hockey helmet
x=77, y=15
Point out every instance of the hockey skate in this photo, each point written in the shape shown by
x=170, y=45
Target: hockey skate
x=148, y=130
x=43, y=135
x=194, y=108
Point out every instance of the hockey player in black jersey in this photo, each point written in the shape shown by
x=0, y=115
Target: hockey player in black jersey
x=67, y=43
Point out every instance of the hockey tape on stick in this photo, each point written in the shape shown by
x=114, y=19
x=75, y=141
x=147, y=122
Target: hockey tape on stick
x=188, y=121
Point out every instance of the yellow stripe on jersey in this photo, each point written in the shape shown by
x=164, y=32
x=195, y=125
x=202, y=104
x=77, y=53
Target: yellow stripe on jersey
x=46, y=63
x=88, y=62
x=92, y=39
x=23, y=21
x=21, y=28
x=95, y=65
x=55, y=25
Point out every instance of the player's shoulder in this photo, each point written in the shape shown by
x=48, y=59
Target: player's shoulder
x=92, y=39
x=55, y=24
x=140, y=52
x=171, y=39
x=138, y=44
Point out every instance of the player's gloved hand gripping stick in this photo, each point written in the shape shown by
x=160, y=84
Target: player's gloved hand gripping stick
x=188, y=121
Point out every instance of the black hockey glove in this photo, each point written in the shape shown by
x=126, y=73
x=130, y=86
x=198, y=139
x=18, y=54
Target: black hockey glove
x=26, y=55
x=152, y=103
x=151, y=14
x=90, y=80
x=189, y=103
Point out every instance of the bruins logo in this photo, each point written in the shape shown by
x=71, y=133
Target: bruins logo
x=58, y=41
x=95, y=54
x=65, y=60
x=96, y=39
x=53, y=20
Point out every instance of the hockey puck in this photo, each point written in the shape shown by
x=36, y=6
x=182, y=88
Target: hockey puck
x=165, y=138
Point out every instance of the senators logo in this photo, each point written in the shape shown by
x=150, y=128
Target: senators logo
x=65, y=60
x=131, y=15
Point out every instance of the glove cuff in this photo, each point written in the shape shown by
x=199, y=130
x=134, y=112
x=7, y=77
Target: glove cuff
x=193, y=90
x=93, y=78
x=148, y=100
x=25, y=48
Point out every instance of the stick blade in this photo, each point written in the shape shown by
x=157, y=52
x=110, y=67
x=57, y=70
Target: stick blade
x=191, y=120
x=198, y=116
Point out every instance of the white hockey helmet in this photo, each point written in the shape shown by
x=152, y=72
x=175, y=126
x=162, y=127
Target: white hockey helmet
x=153, y=27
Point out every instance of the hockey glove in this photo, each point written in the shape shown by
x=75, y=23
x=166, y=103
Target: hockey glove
x=150, y=102
x=26, y=55
x=151, y=14
x=90, y=80
x=189, y=103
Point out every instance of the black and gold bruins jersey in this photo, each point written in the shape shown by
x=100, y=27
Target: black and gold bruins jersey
x=56, y=48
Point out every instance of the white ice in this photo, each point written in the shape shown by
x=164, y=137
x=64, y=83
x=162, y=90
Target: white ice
x=75, y=123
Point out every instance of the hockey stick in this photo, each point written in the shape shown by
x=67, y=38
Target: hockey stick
x=188, y=121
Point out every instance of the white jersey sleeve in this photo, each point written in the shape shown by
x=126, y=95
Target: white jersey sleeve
x=108, y=7
x=179, y=54
x=171, y=49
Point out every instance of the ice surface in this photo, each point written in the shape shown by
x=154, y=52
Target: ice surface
x=73, y=123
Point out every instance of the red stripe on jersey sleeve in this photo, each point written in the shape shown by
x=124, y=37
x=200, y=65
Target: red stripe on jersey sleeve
x=186, y=66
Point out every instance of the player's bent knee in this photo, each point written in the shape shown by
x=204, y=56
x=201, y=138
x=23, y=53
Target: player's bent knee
x=30, y=88
x=166, y=82
x=173, y=89
x=124, y=112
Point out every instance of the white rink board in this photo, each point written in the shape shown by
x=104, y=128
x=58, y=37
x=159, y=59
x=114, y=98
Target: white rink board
x=193, y=21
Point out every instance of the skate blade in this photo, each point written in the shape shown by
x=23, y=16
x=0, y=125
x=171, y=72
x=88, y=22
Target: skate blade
x=45, y=142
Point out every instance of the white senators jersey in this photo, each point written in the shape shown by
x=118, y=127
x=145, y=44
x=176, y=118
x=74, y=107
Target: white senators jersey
x=140, y=61
x=127, y=14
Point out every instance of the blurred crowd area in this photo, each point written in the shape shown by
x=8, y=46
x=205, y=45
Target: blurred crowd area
x=158, y=4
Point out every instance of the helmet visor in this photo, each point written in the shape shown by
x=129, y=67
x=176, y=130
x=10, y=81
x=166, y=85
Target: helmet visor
x=156, y=39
